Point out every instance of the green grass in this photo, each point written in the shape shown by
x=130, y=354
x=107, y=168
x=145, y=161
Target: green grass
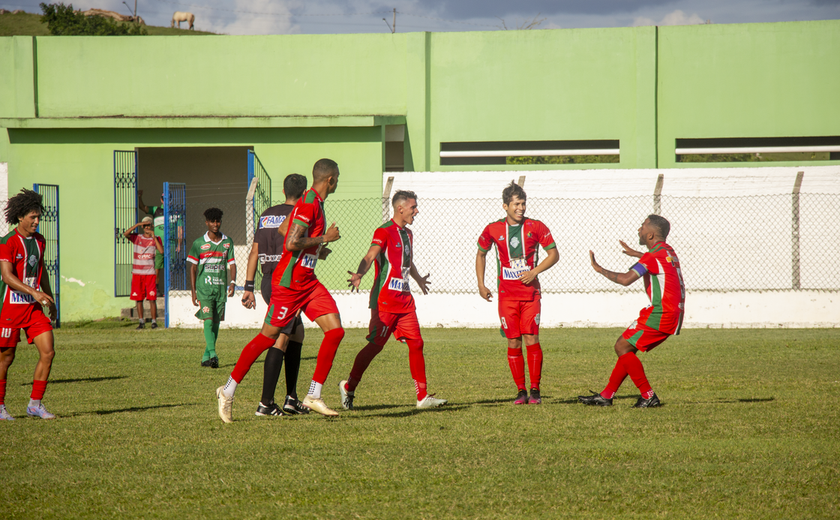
x=29, y=24
x=749, y=429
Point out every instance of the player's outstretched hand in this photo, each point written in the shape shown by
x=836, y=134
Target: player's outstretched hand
x=629, y=251
x=324, y=253
x=527, y=277
x=593, y=262
x=485, y=293
x=424, y=283
x=332, y=234
x=355, y=280
x=248, y=300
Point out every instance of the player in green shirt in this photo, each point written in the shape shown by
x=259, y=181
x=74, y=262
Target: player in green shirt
x=211, y=255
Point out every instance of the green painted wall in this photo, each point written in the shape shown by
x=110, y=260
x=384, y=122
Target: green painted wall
x=67, y=103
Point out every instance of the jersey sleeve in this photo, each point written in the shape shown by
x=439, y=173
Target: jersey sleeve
x=303, y=214
x=132, y=238
x=485, y=240
x=194, y=253
x=546, y=240
x=380, y=238
x=152, y=209
x=5, y=252
x=646, y=264
x=231, y=259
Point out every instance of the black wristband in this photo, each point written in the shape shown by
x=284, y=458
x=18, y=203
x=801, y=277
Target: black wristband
x=249, y=285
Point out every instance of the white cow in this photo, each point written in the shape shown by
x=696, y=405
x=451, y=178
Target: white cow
x=183, y=16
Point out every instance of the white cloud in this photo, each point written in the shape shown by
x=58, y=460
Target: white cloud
x=677, y=17
x=252, y=17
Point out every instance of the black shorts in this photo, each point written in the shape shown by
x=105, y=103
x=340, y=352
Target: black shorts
x=265, y=289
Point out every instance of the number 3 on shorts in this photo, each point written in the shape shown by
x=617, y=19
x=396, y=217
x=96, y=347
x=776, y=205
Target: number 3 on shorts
x=282, y=313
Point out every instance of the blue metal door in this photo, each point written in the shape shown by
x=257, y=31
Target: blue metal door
x=48, y=227
x=125, y=216
x=175, y=247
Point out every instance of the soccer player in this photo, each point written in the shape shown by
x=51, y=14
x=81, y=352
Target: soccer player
x=517, y=238
x=143, y=278
x=211, y=255
x=267, y=249
x=295, y=287
x=26, y=290
x=392, y=308
x=664, y=286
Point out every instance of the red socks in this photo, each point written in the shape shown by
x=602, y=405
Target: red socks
x=535, y=361
x=38, y=389
x=628, y=364
x=249, y=354
x=361, y=363
x=517, y=367
x=417, y=365
x=326, y=354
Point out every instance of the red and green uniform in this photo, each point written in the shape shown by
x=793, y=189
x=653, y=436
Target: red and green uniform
x=211, y=282
x=19, y=310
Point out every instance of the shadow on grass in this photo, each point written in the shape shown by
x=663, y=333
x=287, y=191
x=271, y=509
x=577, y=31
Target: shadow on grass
x=136, y=409
x=81, y=380
x=261, y=361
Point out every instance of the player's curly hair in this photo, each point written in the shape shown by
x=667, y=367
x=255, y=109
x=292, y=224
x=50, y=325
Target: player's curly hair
x=661, y=224
x=513, y=190
x=213, y=214
x=22, y=204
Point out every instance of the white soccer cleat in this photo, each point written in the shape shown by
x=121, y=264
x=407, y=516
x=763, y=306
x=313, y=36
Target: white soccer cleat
x=4, y=414
x=346, y=396
x=430, y=401
x=225, y=405
x=316, y=404
x=39, y=412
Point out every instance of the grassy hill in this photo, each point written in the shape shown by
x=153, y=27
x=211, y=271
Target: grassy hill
x=29, y=24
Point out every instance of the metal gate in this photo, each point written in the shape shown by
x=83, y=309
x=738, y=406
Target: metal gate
x=125, y=216
x=48, y=227
x=175, y=247
x=262, y=198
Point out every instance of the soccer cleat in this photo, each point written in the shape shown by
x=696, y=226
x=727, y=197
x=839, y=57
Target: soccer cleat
x=207, y=363
x=141, y=326
x=594, y=400
x=4, y=414
x=521, y=397
x=535, y=397
x=653, y=402
x=292, y=406
x=39, y=412
x=154, y=325
x=430, y=401
x=318, y=405
x=225, y=405
x=214, y=362
x=346, y=396
x=271, y=409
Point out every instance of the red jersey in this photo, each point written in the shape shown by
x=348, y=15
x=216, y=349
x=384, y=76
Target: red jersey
x=664, y=286
x=27, y=258
x=390, y=291
x=296, y=269
x=144, y=253
x=516, y=252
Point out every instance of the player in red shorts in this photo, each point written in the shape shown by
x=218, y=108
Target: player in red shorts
x=295, y=287
x=25, y=290
x=392, y=308
x=663, y=318
x=517, y=239
x=143, y=277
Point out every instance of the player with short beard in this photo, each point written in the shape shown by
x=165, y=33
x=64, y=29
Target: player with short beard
x=664, y=286
x=26, y=290
x=517, y=239
x=392, y=308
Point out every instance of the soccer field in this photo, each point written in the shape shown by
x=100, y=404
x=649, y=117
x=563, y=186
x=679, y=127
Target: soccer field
x=749, y=429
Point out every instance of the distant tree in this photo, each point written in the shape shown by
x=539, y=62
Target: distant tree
x=61, y=20
x=563, y=159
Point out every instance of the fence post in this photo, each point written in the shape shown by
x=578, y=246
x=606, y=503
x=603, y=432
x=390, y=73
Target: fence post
x=657, y=194
x=386, y=199
x=249, y=212
x=797, y=185
x=521, y=181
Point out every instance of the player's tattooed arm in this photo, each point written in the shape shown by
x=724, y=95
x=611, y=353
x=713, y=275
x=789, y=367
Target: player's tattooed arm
x=619, y=278
x=629, y=251
x=296, y=241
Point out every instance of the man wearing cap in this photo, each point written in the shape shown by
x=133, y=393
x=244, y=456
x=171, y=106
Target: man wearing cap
x=143, y=278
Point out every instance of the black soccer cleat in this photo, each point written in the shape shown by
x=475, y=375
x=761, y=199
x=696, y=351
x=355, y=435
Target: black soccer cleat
x=207, y=363
x=214, y=362
x=653, y=402
x=595, y=399
x=292, y=406
x=154, y=325
x=141, y=326
x=535, y=397
x=271, y=409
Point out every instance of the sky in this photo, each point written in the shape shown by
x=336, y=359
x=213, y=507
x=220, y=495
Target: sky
x=245, y=17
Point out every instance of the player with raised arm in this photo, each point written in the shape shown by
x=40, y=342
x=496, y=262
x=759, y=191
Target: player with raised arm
x=517, y=239
x=143, y=277
x=392, y=308
x=26, y=290
x=267, y=250
x=295, y=287
x=663, y=318
x=211, y=255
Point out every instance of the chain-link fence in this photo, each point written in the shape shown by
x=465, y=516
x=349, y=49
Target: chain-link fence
x=753, y=243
